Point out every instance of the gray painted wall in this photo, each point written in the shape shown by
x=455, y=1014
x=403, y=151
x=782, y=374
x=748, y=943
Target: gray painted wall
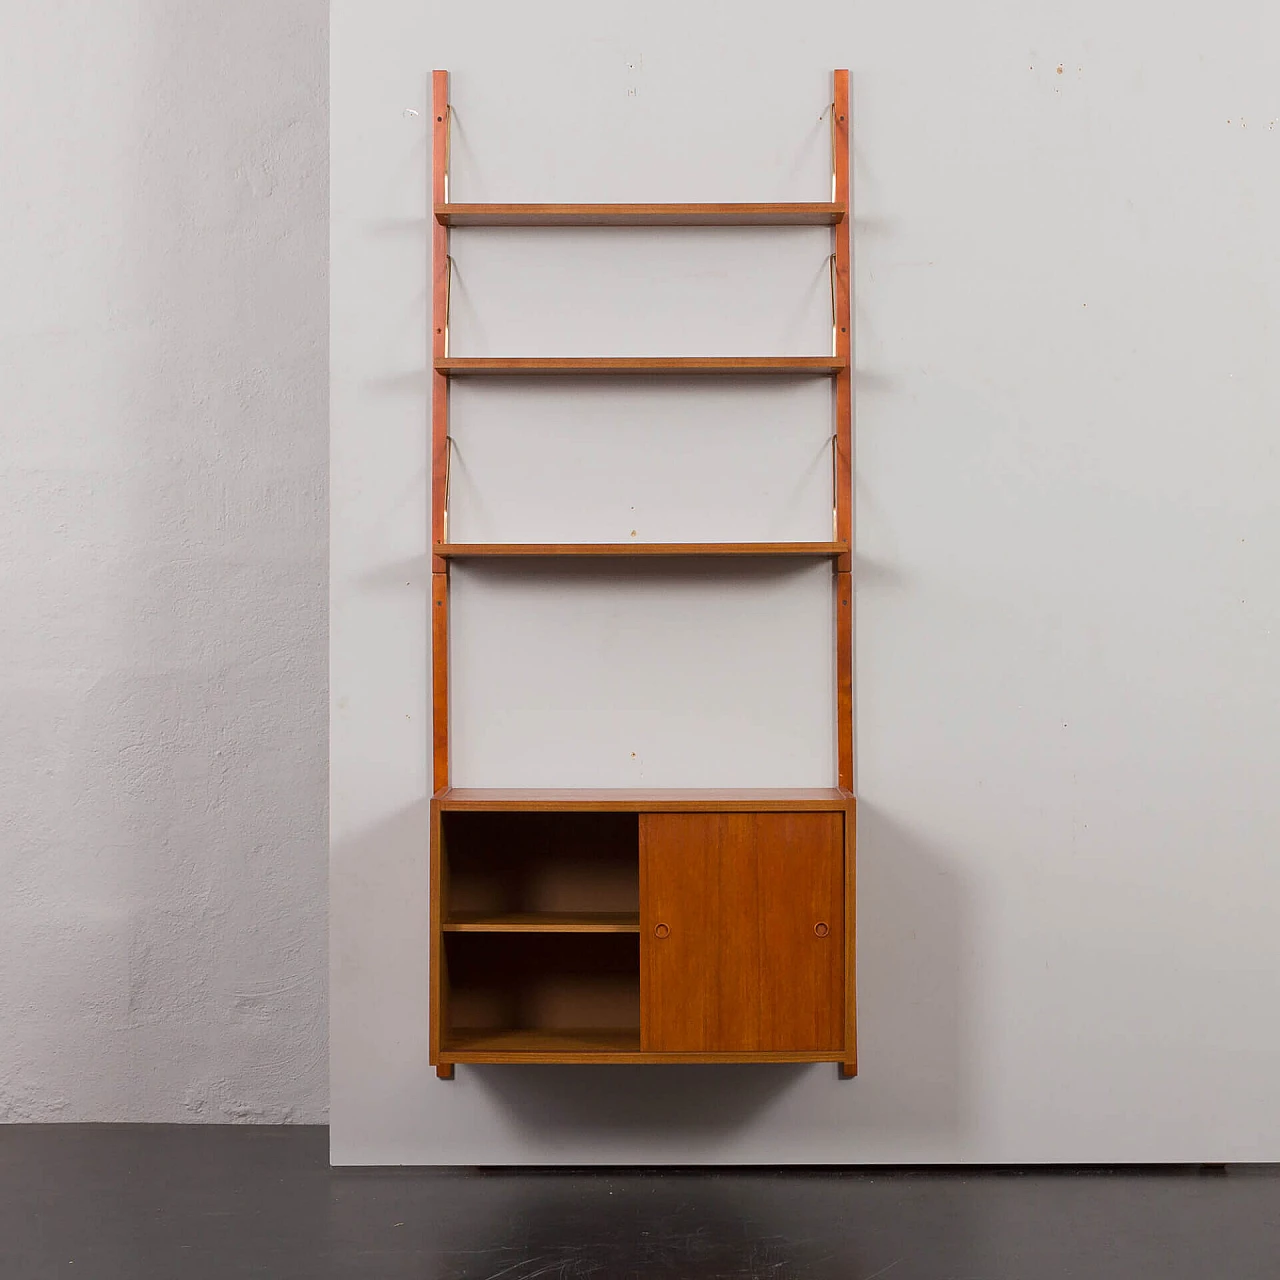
x=162, y=552
x=1066, y=397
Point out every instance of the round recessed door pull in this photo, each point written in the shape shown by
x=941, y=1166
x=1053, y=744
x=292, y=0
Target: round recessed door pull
x=821, y=928
x=661, y=930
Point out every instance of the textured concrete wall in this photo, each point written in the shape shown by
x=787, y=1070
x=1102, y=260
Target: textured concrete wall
x=163, y=240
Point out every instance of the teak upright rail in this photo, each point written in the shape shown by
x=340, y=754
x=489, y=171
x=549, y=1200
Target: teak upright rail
x=643, y=925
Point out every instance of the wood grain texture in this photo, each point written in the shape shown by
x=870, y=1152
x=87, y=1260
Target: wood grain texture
x=532, y=922
x=439, y=438
x=437, y=886
x=843, y=396
x=439, y=306
x=474, y=550
x=569, y=1040
x=843, y=606
x=742, y=933
x=440, y=680
x=644, y=800
x=843, y=390
x=849, y=1067
x=805, y=214
x=843, y=318
x=508, y=366
x=438, y=1012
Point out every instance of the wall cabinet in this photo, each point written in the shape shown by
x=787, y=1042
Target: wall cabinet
x=639, y=927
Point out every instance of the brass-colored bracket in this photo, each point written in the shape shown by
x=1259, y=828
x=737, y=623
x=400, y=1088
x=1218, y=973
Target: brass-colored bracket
x=448, y=461
x=448, y=292
x=448, y=134
x=832, y=112
x=835, y=342
x=835, y=520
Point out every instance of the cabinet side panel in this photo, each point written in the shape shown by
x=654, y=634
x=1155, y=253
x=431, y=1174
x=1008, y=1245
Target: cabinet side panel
x=439, y=978
x=849, y=1066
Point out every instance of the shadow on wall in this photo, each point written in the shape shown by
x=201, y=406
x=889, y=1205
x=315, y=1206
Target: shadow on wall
x=680, y=1102
x=915, y=984
x=914, y=1064
x=378, y=975
x=914, y=980
x=380, y=992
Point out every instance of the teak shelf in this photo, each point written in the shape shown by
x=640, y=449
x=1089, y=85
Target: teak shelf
x=570, y=366
x=643, y=925
x=807, y=214
x=464, y=550
x=546, y=922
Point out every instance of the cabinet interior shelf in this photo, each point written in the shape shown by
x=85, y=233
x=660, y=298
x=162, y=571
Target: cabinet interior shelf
x=587, y=1043
x=545, y=922
x=507, y=366
x=471, y=550
x=795, y=214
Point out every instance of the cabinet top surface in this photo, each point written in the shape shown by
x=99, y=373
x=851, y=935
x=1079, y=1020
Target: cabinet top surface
x=638, y=800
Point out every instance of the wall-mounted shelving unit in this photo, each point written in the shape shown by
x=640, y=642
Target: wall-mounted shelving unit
x=598, y=926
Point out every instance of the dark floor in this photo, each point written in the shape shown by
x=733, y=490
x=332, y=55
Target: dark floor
x=103, y=1202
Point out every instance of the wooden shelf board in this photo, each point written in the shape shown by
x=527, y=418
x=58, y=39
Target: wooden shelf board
x=465, y=1045
x=591, y=1046
x=644, y=800
x=469, y=550
x=548, y=922
x=795, y=214
x=506, y=366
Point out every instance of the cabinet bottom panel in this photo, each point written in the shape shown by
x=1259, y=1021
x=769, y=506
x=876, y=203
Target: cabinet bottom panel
x=588, y=1045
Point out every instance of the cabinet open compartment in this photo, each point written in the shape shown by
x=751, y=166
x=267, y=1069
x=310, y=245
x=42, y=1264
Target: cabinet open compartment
x=543, y=991
x=541, y=872
x=541, y=920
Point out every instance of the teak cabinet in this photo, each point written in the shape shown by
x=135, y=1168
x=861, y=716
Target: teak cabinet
x=643, y=926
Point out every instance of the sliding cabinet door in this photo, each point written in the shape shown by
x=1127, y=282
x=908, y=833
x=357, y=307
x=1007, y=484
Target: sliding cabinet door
x=742, y=932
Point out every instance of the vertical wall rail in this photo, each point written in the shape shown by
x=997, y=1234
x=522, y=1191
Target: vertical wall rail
x=439, y=434
x=843, y=394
